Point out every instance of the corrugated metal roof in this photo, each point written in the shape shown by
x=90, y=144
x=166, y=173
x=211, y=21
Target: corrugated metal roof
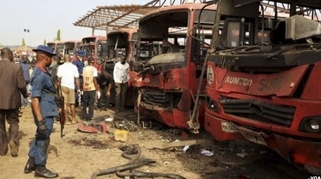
x=114, y=17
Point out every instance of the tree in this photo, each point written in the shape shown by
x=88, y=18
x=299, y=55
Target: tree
x=23, y=42
x=58, y=37
x=44, y=42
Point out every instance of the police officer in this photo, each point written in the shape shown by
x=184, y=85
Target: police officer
x=44, y=110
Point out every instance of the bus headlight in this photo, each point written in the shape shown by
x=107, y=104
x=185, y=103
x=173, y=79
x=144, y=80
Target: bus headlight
x=211, y=104
x=314, y=124
x=310, y=124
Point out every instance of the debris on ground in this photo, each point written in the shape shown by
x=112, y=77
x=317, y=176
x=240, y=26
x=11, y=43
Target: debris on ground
x=133, y=153
x=93, y=127
x=125, y=125
x=182, y=144
x=242, y=154
x=207, y=153
x=95, y=144
x=186, y=147
x=109, y=119
x=121, y=135
x=262, y=152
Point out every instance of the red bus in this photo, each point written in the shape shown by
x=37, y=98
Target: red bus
x=71, y=46
x=95, y=47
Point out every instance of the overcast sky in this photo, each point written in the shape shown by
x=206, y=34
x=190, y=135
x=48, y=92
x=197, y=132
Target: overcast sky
x=44, y=18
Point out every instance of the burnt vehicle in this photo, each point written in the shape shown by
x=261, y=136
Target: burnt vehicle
x=95, y=47
x=71, y=46
x=266, y=91
x=58, y=47
x=170, y=52
x=121, y=42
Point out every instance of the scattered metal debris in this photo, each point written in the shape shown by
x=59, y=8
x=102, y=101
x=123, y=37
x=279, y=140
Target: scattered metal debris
x=207, y=153
x=133, y=153
x=90, y=143
x=243, y=154
x=92, y=127
x=126, y=125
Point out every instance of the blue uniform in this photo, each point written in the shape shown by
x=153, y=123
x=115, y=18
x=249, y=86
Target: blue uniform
x=44, y=89
x=80, y=65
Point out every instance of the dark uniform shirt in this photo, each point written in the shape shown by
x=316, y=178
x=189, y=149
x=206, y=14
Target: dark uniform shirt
x=43, y=87
x=104, y=82
x=25, y=69
x=80, y=65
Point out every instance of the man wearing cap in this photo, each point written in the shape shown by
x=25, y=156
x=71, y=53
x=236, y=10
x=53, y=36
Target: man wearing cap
x=12, y=84
x=90, y=86
x=79, y=62
x=44, y=110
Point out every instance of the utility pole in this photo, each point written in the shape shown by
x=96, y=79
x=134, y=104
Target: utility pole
x=25, y=32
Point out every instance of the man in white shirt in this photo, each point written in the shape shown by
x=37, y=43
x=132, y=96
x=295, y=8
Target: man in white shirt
x=121, y=77
x=67, y=76
x=90, y=87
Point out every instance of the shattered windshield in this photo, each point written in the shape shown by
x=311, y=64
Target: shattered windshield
x=165, y=33
x=60, y=48
x=69, y=48
x=168, y=33
x=89, y=50
x=117, y=44
x=52, y=45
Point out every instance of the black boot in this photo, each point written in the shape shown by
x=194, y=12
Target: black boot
x=30, y=165
x=42, y=171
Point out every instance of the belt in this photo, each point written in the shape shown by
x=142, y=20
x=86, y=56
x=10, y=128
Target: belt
x=50, y=92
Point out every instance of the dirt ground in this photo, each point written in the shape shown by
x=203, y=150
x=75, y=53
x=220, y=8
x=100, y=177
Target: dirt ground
x=78, y=155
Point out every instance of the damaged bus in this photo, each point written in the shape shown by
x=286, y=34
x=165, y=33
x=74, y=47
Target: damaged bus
x=95, y=47
x=169, y=57
x=58, y=47
x=70, y=47
x=266, y=91
x=121, y=42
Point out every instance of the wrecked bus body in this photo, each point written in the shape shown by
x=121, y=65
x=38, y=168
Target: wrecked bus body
x=95, y=47
x=57, y=46
x=166, y=70
x=70, y=47
x=121, y=42
x=266, y=91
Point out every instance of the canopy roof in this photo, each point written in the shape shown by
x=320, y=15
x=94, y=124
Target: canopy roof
x=119, y=16
x=115, y=17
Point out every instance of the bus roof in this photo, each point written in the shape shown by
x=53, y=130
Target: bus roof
x=123, y=30
x=72, y=41
x=55, y=42
x=187, y=6
x=96, y=36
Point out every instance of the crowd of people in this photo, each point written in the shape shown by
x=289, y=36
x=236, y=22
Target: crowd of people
x=52, y=76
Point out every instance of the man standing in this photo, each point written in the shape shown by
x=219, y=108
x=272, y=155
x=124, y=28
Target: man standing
x=12, y=84
x=79, y=62
x=121, y=77
x=104, y=81
x=67, y=76
x=90, y=87
x=25, y=65
x=44, y=110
